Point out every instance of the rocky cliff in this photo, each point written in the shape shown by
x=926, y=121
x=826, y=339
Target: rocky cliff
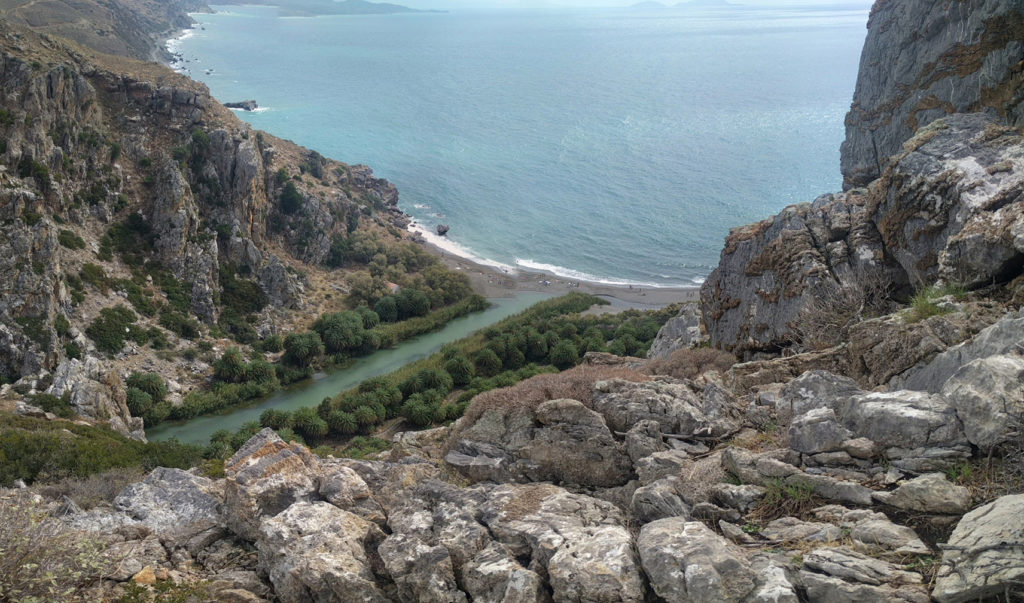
x=925, y=59
x=947, y=208
x=122, y=181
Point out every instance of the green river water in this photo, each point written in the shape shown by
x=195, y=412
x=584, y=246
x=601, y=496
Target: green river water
x=312, y=391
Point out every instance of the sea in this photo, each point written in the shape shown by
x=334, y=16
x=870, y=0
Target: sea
x=613, y=145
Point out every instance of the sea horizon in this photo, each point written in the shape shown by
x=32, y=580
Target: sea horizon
x=436, y=191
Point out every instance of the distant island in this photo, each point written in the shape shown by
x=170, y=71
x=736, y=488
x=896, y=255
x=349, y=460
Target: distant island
x=654, y=5
x=311, y=8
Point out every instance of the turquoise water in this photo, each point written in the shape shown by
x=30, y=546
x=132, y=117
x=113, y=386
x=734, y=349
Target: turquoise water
x=602, y=144
x=311, y=392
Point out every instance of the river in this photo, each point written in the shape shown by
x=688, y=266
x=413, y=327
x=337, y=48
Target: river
x=311, y=391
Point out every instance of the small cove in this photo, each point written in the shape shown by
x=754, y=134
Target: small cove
x=311, y=391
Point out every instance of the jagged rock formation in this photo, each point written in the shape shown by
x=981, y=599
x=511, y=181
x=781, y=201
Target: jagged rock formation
x=947, y=209
x=923, y=60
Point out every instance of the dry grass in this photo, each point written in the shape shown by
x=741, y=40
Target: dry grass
x=40, y=558
x=94, y=490
x=576, y=384
x=700, y=475
x=689, y=363
x=786, y=499
x=835, y=307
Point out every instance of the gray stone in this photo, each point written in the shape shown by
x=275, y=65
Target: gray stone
x=318, y=552
x=899, y=89
x=343, y=488
x=174, y=504
x=742, y=498
x=985, y=554
x=929, y=493
x=422, y=573
x=264, y=477
x=684, y=330
x=493, y=576
x=658, y=500
x=686, y=561
x=817, y=431
x=644, y=439
x=856, y=567
x=791, y=529
x=988, y=395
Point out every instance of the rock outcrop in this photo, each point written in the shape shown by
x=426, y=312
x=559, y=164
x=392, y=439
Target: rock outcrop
x=922, y=61
x=946, y=209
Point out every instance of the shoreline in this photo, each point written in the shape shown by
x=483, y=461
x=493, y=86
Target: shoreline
x=492, y=282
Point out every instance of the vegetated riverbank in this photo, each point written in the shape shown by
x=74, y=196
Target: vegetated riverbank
x=311, y=392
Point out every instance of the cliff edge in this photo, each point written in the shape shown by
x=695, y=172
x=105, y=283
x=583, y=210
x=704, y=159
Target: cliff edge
x=926, y=59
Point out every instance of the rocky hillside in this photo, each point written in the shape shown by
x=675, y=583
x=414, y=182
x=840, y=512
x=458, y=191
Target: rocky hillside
x=123, y=183
x=927, y=59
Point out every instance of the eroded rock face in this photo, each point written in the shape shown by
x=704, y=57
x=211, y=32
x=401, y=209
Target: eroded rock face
x=318, y=552
x=96, y=393
x=920, y=63
x=677, y=406
x=682, y=331
x=986, y=554
x=267, y=476
x=949, y=207
x=770, y=271
x=562, y=441
x=686, y=561
x=988, y=395
x=172, y=502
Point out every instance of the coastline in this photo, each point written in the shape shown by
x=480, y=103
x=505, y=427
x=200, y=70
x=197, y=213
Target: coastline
x=492, y=282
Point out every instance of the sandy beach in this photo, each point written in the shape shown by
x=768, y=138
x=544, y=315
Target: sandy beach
x=494, y=282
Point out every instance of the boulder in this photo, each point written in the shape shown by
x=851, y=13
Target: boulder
x=684, y=330
x=422, y=573
x=929, y=493
x=678, y=406
x=343, y=488
x=265, y=477
x=318, y=552
x=493, y=576
x=97, y=393
x=1003, y=336
x=561, y=441
x=988, y=395
x=856, y=567
x=985, y=554
x=686, y=561
x=817, y=431
x=174, y=504
x=658, y=500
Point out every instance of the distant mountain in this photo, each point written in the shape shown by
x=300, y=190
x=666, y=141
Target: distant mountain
x=649, y=5
x=310, y=8
x=705, y=4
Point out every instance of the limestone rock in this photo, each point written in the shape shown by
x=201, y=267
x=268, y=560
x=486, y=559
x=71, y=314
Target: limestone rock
x=493, y=576
x=422, y=572
x=644, y=439
x=791, y=529
x=571, y=444
x=598, y=565
x=679, y=407
x=742, y=498
x=988, y=395
x=265, y=477
x=856, y=567
x=172, y=503
x=96, y=392
x=343, y=488
x=930, y=493
x=658, y=500
x=318, y=552
x=684, y=330
x=985, y=557
x=817, y=431
x=1002, y=337
x=968, y=61
x=686, y=561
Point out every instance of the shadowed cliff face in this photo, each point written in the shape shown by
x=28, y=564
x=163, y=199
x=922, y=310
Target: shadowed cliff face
x=924, y=59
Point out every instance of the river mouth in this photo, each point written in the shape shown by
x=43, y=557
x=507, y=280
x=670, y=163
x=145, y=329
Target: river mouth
x=311, y=391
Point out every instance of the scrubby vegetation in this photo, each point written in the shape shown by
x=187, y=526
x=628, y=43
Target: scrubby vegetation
x=35, y=449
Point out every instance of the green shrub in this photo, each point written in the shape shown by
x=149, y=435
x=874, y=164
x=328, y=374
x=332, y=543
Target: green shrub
x=95, y=276
x=151, y=383
x=109, y=330
x=362, y=447
x=291, y=199
x=460, y=369
x=302, y=349
x=178, y=323
x=276, y=419
x=58, y=406
x=32, y=449
x=61, y=326
x=487, y=363
x=72, y=350
x=230, y=367
x=308, y=424
x=138, y=401
x=70, y=240
x=272, y=344
x=564, y=355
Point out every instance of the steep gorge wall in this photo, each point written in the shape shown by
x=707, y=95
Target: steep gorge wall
x=924, y=59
